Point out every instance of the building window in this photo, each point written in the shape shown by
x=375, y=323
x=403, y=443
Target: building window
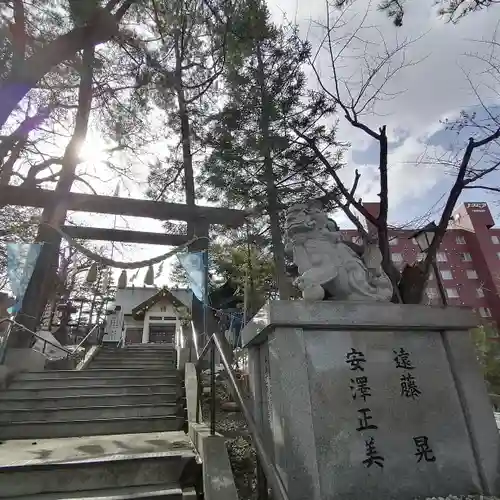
x=471, y=274
x=479, y=292
x=397, y=257
x=495, y=240
x=446, y=275
x=421, y=256
x=441, y=257
x=466, y=257
x=460, y=240
x=498, y=255
x=484, y=312
x=155, y=318
x=452, y=293
x=393, y=242
x=163, y=309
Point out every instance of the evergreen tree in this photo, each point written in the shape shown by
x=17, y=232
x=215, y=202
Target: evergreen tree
x=26, y=61
x=450, y=10
x=181, y=72
x=485, y=338
x=248, y=269
x=255, y=160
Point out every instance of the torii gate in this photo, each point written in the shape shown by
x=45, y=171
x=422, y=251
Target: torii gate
x=197, y=217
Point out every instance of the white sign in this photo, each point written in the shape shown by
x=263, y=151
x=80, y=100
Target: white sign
x=476, y=205
x=114, y=325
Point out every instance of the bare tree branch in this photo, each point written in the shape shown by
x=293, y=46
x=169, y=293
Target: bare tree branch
x=456, y=190
x=486, y=188
x=345, y=192
x=83, y=181
x=8, y=167
x=36, y=169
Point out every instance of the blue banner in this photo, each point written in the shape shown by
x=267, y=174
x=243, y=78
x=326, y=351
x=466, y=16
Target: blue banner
x=194, y=263
x=21, y=260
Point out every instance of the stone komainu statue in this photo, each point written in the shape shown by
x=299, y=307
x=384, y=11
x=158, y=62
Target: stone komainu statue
x=329, y=268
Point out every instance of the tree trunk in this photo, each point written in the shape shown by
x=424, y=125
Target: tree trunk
x=187, y=156
x=45, y=272
x=417, y=280
x=412, y=284
x=22, y=131
x=382, y=229
x=271, y=190
x=8, y=167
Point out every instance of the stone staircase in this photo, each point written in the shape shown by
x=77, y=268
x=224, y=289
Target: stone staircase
x=126, y=390
x=108, y=432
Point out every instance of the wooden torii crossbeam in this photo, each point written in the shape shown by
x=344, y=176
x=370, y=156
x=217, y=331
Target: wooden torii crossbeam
x=199, y=218
x=112, y=205
x=125, y=236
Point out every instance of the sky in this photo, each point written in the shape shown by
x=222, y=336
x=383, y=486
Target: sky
x=436, y=85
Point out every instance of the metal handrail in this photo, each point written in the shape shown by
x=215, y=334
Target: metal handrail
x=67, y=351
x=195, y=341
x=270, y=469
x=86, y=337
x=13, y=322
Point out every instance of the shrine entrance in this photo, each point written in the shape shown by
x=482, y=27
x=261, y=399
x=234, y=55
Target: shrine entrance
x=161, y=333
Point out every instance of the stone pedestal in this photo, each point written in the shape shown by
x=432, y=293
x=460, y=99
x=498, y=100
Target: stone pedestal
x=372, y=400
x=25, y=360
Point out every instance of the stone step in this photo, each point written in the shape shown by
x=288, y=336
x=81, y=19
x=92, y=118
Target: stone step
x=57, y=429
x=88, y=390
x=96, y=373
x=171, y=351
x=138, y=352
x=92, y=475
x=163, y=351
x=151, y=345
x=166, y=356
x=149, y=350
x=55, y=382
x=155, y=492
x=131, y=367
x=139, y=361
x=73, y=401
x=139, y=364
x=146, y=359
x=88, y=413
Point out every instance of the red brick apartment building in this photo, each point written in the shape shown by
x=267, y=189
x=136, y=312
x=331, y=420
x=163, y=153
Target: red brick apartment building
x=468, y=259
